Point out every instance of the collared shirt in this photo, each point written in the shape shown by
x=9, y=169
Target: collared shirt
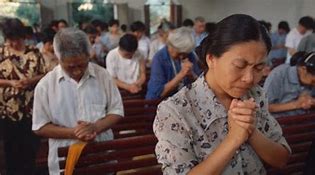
x=62, y=101
x=17, y=103
x=277, y=39
x=283, y=85
x=144, y=46
x=199, y=38
x=124, y=69
x=191, y=124
x=162, y=72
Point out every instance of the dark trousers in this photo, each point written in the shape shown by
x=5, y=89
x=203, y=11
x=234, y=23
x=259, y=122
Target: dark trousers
x=20, y=147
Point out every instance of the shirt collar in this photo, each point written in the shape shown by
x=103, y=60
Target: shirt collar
x=207, y=100
x=62, y=75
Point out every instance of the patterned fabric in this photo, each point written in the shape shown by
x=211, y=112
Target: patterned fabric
x=17, y=103
x=191, y=124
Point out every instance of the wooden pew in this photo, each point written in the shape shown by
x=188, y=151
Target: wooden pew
x=127, y=156
x=299, y=132
x=138, y=120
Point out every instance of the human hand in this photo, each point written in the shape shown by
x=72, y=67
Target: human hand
x=134, y=88
x=85, y=131
x=19, y=84
x=304, y=101
x=186, y=67
x=241, y=119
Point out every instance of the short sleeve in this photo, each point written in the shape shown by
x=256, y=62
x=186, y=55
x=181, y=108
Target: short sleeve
x=173, y=150
x=289, y=41
x=41, y=111
x=270, y=126
x=157, y=79
x=111, y=63
x=114, y=105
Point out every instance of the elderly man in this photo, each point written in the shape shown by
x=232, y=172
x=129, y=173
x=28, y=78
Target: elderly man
x=174, y=65
x=75, y=101
x=199, y=30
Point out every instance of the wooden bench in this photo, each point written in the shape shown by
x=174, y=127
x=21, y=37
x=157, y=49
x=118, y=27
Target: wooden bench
x=127, y=156
x=299, y=132
x=138, y=120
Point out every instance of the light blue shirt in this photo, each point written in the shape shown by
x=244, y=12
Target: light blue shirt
x=277, y=39
x=199, y=38
x=282, y=86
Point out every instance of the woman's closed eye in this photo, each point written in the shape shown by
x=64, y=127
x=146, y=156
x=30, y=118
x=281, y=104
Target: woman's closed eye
x=260, y=67
x=240, y=64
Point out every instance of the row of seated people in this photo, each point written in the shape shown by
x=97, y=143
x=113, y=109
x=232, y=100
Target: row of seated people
x=171, y=136
x=86, y=94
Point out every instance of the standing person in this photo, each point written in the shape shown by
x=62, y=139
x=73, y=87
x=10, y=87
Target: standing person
x=221, y=124
x=21, y=67
x=174, y=66
x=126, y=65
x=77, y=101
x=294, y=37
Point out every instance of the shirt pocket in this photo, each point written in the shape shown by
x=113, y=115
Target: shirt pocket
x=94, y=112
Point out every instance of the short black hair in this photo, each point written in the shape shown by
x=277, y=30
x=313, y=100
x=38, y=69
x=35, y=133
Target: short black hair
x=307, y=22
x=113, y=22
x=128, y=42
x=90, y=30
x=48, y=35
x=63, y=21
x=188, y=23
x=123, y=27
x=297, y=58
x=13, y=28
x=137, y=26
x=309, y=62
x=284, y=25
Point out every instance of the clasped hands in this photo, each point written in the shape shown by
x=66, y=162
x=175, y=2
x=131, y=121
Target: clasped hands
x=85, y=131
x=242, y=119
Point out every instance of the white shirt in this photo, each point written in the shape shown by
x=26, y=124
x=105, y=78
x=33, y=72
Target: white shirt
x=155, y=46
x=124, y=69
x=292, y=41
x=144, y=46
x=62, y=101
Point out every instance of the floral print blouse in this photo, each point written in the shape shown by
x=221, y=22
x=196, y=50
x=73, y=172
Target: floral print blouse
x=15, y=104
x=192, y=123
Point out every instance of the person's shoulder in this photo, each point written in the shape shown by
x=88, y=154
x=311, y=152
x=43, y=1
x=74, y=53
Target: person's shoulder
x=100, y=72
x=179, y=101
x=50, y=78
x=281, y=68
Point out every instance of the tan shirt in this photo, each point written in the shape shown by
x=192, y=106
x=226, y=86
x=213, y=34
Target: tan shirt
x=17, y=103
x=192, y=123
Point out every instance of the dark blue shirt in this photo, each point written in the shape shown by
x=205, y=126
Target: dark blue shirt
x=162, y=72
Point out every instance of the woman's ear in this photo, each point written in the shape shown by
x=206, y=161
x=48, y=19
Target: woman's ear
x=210, y=60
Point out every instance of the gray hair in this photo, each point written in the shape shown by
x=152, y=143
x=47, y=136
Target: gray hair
x=71, y=42
x=182, y=39
x=200, y=19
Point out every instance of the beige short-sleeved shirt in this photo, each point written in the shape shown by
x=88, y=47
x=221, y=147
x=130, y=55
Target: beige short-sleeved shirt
x=62, y=101
x=192, y=123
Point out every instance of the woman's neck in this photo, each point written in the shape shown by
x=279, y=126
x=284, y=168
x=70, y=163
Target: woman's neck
x=222, y=96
